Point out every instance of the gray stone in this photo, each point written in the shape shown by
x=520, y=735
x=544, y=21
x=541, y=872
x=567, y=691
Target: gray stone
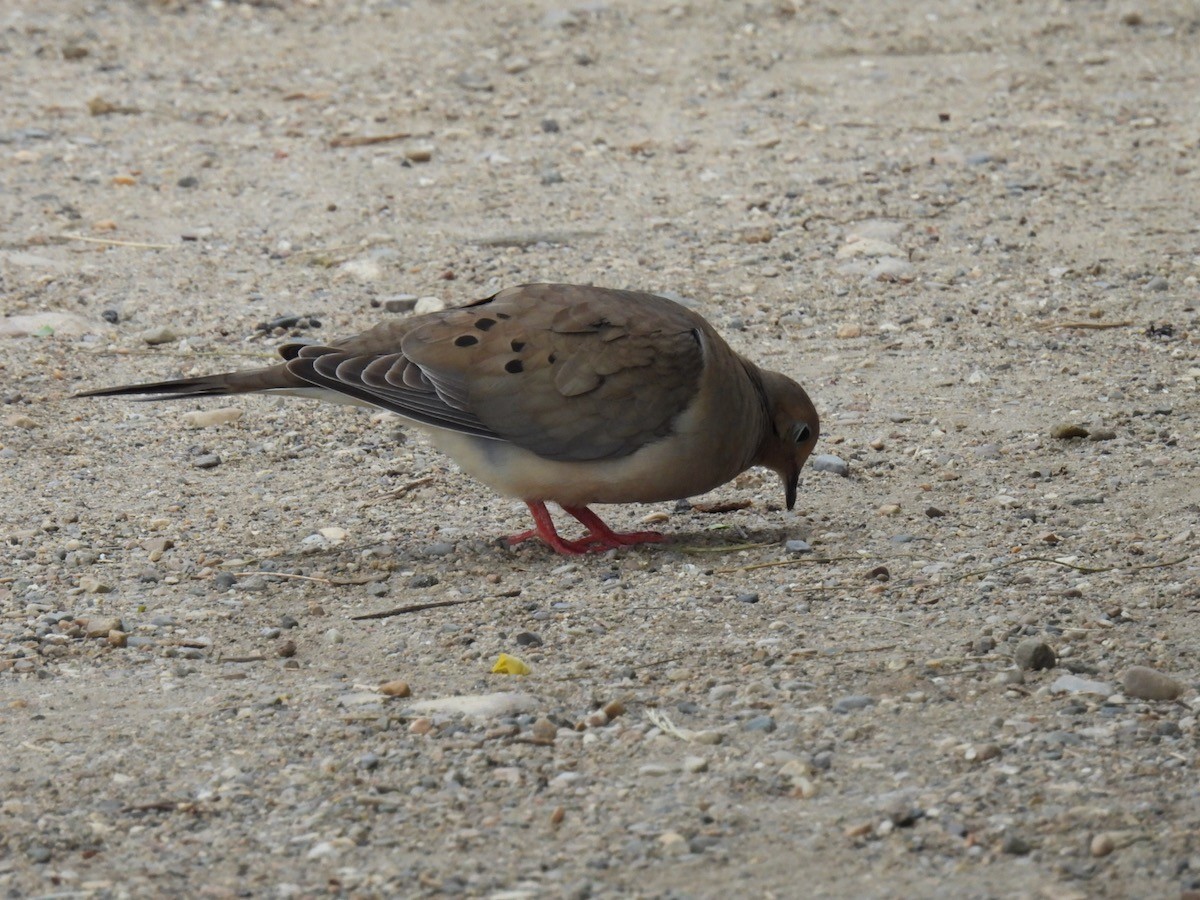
x=1033, y=654
x=1073, y=684
x=827, y=462
x=1149, y=684
x=852, y=702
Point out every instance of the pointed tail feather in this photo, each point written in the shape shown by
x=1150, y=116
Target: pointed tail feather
x=274, y=378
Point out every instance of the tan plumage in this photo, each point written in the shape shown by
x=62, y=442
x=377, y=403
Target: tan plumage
x=561, y=393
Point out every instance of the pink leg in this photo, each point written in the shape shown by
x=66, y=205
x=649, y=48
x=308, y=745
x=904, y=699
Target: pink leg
x=545, y=530
x=605, y=537
x=599, y=537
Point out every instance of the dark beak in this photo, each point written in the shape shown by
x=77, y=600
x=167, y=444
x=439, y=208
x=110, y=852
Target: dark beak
x=790, y=481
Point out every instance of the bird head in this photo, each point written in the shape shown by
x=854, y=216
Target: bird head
x=792, y=433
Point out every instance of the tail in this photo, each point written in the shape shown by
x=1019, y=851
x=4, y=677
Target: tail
x=273, y=378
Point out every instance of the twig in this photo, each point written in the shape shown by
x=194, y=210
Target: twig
x=1094, y=326
x=365, y=140
x=417, y=607
x=726, y=548
x=772, y=563
x=113, y=242
x=337, y=582
x=1087, y=570
x=405, y=488
x=870, y=649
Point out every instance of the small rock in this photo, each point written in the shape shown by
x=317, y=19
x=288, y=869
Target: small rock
x=797, y=546
x=422, y=581
x=528, y=639
x=1101, y=434
x=1150, y=684
x=849, y=330
x=1015, y=845
x=765, y=724
x=502, y=703
x=1033, y=654
x=368, y=761
x=208, y=418
x=852, y=702
x=92, y=585
x=101, y=626
x=206, y=461
x=395, y=689
x=286, y=650
x=827, y=462
x=163, y=334
x=695, y=764
x=1157, y=283
x=981, y=752
x=438, y=548
x=1103, y=844
x=544, y=731
x=20, y=421
x=1073, y=684
x=1067, y=431
x=400, y=303
x=428, y=305
x=747, y=598
x=672, y=843
x=933, y=512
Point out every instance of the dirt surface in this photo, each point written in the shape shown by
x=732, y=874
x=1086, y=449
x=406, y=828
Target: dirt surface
x=963, y=227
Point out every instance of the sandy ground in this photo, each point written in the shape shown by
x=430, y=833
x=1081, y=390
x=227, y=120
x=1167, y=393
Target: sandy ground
x=964, y=227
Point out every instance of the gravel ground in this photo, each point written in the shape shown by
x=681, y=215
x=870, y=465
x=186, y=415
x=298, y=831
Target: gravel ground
x=970, y=230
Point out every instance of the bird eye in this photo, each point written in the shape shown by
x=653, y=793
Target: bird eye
x=800, y=433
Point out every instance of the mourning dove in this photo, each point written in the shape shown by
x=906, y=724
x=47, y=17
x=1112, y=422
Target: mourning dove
x=557, y=393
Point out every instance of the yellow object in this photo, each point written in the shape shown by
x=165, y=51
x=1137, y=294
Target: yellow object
x=510, y=665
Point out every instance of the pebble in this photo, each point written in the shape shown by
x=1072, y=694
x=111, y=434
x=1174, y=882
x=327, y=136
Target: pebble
x=502, y=703
x=852, y=702
x=92, y=585
x=223, y=581
x=544, y=731
x=101, y=626
x=163, y=334
x=428, y=305
x=1103, y=844
x=693, y=765
x=1073, y=684
x=422, y=581
x=206, y=461
x=1067, y=431
x=528, y=639
x=798, y=546
x=849, y=330
x=1157, y=283
x=395, y=688
x=827, y=462
x=1150, y=684
x=1033, y=654
x=438, y=548
x=672, y=843
x=399, y=303
x=1101, y=434
x=209, y=418
x=760, y=723
x=747, y=598
x=1015, y=845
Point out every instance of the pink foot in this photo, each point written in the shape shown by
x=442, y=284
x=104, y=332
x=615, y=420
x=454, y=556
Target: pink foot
x=599, y=533
x=598, y=539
